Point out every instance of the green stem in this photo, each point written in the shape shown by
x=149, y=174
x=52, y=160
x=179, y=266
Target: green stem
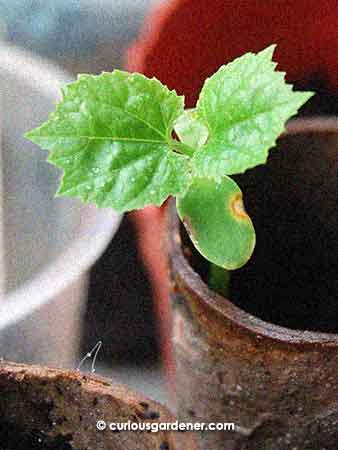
x=183, y=148
x=219, y=280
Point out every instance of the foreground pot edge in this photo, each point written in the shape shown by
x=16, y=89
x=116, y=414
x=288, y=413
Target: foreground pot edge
x=71, y=405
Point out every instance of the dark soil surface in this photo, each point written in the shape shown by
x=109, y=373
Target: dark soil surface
x=291, y=279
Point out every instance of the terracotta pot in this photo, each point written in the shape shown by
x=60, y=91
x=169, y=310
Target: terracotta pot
x=276, y=383
x=43, y=408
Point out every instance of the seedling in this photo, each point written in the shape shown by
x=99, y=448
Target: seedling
x=125, y=141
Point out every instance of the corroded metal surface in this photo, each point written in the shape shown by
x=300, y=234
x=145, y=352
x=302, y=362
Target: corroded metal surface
x=279, y=386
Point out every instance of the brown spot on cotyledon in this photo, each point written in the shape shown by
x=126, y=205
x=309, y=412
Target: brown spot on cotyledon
x=237, y=207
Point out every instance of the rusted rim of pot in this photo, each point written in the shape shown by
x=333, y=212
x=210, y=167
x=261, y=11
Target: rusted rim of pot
x=214, y=307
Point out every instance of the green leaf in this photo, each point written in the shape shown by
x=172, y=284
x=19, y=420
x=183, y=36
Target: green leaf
x=111, y=134
x=245, y=105
x=191, y=130
x=214, y=216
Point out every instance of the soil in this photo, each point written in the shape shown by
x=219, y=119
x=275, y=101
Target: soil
x=291, y=279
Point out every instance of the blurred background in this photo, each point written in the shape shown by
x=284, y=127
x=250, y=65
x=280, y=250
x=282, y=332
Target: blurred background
x=90, y=36
x=182, y=42
x=81, y=35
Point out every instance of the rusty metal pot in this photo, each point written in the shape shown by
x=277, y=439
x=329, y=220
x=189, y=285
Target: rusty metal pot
x=278, y=384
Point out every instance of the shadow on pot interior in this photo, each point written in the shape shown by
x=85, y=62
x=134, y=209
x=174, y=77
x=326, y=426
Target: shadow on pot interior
x=291, y=278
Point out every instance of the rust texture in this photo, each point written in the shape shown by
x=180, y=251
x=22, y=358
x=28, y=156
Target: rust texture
x=279, y=386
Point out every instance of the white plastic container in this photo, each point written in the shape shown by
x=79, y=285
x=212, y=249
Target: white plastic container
x=48, y=244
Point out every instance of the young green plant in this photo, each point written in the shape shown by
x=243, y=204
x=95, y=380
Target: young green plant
x=125, y=141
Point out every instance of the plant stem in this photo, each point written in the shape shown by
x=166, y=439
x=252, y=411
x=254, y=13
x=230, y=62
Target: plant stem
x=183, y=148
x=219, y=280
